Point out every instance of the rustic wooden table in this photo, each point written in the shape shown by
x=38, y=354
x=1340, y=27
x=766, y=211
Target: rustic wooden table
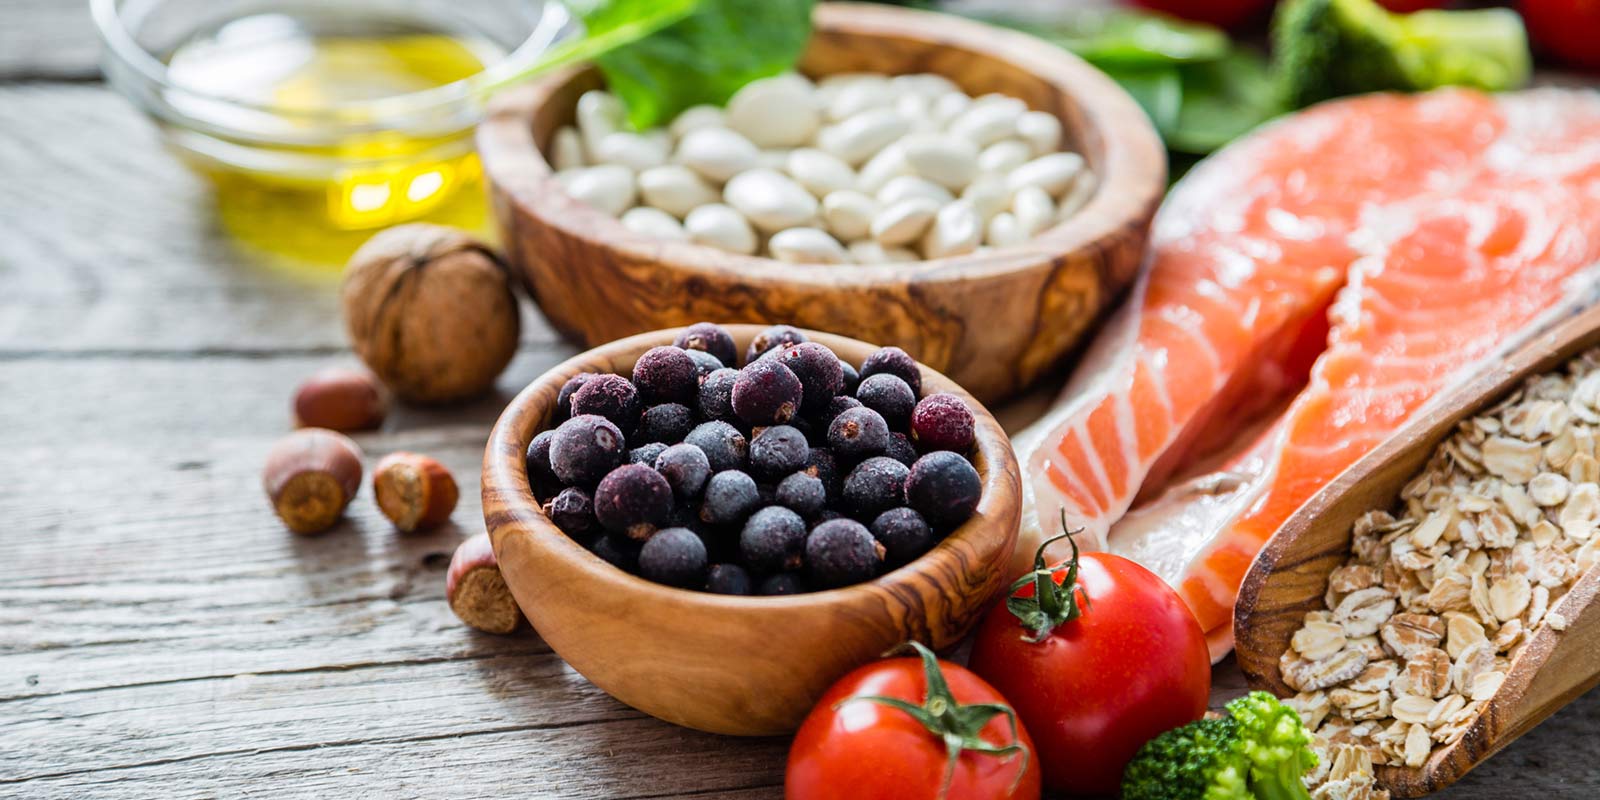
x=161, y=635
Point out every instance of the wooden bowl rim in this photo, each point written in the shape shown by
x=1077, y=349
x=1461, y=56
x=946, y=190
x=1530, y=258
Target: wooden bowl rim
x=506, y=478
x=1124, y=190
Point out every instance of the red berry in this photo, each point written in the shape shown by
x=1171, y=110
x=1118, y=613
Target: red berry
x=942, y=422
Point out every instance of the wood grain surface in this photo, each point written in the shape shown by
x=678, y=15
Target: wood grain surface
x=161, y=635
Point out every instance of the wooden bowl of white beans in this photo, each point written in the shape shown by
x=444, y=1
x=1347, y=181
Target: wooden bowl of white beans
x=974, y=195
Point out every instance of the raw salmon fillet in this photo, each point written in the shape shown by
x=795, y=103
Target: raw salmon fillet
x=1310, y=288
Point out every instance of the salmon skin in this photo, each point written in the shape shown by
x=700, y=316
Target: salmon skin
x=1309, y=288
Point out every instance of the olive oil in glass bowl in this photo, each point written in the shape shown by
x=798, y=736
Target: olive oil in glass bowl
x=319, y=122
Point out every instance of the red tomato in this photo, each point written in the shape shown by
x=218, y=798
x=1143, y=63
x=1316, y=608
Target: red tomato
x=1131, y=665
x=1567, y=29
x=852, y=748
x=1222, y=13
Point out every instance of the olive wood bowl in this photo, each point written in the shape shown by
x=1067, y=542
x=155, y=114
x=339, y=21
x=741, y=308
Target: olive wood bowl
x=1290, y=575
x=726, y=664
x=994, y=321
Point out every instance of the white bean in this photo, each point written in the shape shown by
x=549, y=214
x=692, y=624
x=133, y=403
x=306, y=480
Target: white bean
x=770, y=200
x=848, y=214
x=806, y=246
x=722, y=227
x=856, y=139
x=947, y=107
x=907, y=186
x=608, y=187
x=987, y=121
x=956, y=230
x=648, y=221
x=566, y=149
x=945, y=160
x=923, y=84
x=904, y=221
x=1052, y=173
x=1077, y=195
x=675, y=189
x=888, y=164
x=636, y=151
x=599, y=113
x=1034, y=209
x=819, y=172
x=1004, y=156
x=1041, y=131
x=775, y=112
x=867, y=251
x=1003, y=230
x=717, y=153
x=858, y=96
x=914, y=107
x=694, y=118
x=773, y=159
x=988, y=195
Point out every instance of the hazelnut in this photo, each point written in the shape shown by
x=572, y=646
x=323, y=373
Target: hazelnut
x=414, y=491
x=430, y=311
x=476, y=590
x=339, y=399
x=310, y=476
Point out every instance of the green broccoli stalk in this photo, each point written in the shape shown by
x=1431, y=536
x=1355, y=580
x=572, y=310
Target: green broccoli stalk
x=1330, y=48
x=1258, y=752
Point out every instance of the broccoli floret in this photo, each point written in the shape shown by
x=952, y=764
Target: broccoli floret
x=1330, y=48
x=1259, y=751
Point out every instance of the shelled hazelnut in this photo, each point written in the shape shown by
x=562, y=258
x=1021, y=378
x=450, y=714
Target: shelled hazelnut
x=340, y=399
x=310, y=476
x=477, y=592
x=414, y=491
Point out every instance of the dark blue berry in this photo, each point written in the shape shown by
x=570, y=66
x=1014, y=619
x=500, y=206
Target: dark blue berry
x=944, y=487
x=841, y=552
x=704, y=363
x=686, y=469
x=666, y=375
x=715, y=401
x=821, y=377
x=874, y=486
x=942, y=421
x=541, y=477
x=729, y=498
x=675, y=557
x=667, y=423
x=646, y=453
x=585, y=448
x=573, y=512
x=725, y=447
x=802, y=493
x=633, y=499
x=729, y=579
x=610, y=396
x=773, y=540
x=766, y=393
x=564, y=397
x=783, y=583
x=890, y=396
x=771, y=339
x=894, y=361
x=821, y=464
x=777, y=451
x=711, y=339
x=858, y=433
x=618, y=551
x=834, y=408
x=852, y=379
x=903, y=533
x=901, y=449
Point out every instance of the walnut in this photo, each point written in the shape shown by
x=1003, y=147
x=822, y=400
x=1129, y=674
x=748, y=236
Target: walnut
x=430, y=310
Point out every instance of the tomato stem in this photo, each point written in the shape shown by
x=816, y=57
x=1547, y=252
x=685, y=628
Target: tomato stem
x=1052, y=604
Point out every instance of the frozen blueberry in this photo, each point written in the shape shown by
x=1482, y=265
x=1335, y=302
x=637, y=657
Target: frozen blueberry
x=585, y=448
x=942, y=422
x=725, y=447
x=766, y=393
x=772, y=338
x=610, y=396
x=674, y=556
x=802, y=493
x=711, y=339
x=573, y=512
x=819, y=372
x=646, y=453
x=729, y=579
x=715, y=399
x=773, y=540
x=874, y=486
x=836, y=406
x=826, y=515
x=633, y=499
x=666, y=375
x=704, y=363
x=852, y=379
x=890, y=396
x=903, y=533
x=841, y=552
x=564, y=397
x=820, y=464
x=730, y=497
x=777, y=451
x=901, y=449
x=686, y=469
x=781, y=584
x=541, y=477
x=618, y=551
x=667, y=423
x=944, y=487
x=858, y=433
x=893, y=361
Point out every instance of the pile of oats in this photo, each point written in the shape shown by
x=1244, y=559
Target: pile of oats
x=1439, y=597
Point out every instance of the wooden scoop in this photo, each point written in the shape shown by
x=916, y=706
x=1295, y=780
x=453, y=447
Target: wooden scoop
x=1290, y=575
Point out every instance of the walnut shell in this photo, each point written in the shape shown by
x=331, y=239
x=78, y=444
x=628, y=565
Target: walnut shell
x=430, y=311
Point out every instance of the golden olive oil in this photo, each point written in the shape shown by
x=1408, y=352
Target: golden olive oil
x=327, y=141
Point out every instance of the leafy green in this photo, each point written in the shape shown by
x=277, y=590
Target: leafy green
x=1260, y=751
x=1127, y=38
x=1222, y=100
x=608, y=25
x=702, y=58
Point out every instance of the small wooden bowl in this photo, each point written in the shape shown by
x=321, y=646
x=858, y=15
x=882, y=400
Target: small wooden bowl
x=1290, y=575
x=736, y=665
x=994, y=321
